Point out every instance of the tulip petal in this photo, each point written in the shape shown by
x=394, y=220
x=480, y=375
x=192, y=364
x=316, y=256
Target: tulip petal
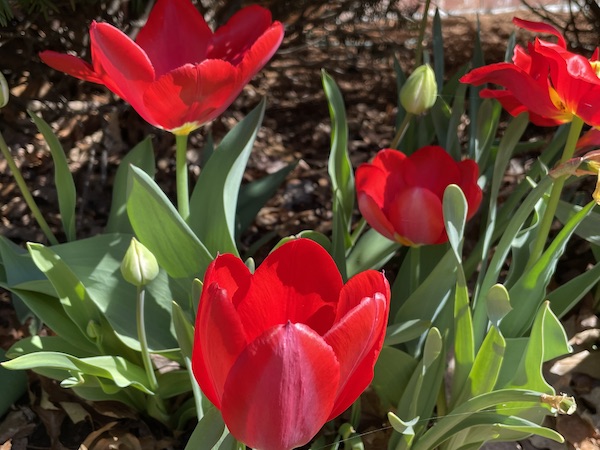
x=174, y=35
x=192, y=94
x=432, y=168
x=540, y=27
x=299, y=282
x=468, y=183
x=281, y=389
x=261, y=51
x=72, y=65
x=232, y=40
x=374, y=215
x=122, y=64
x=515, y=107
x=417, y=216
x=357, y=340
x=215, y=351
x=231, y=274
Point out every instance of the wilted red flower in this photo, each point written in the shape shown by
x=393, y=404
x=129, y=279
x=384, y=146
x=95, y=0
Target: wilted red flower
x=550, y=82
x=178, y=74
x=401, y=196
x=285, y=349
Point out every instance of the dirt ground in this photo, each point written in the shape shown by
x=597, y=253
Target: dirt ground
x=97, y=129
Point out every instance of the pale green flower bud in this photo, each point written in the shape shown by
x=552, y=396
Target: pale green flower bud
x=139, y=265
x=419, y=92
x=4, y=93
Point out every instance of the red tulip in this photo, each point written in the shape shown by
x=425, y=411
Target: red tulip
x=401, y=196
x=285, y=349
x=548, y=81
x=178, y=74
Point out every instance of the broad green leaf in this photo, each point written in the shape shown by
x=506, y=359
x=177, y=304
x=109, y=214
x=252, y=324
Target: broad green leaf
x=71, y=291
x=184, y=330
x=120, y=372
x=253, y=196
x=589, y=229
x=142, y=156
x=63, y=179
x=14, y=385
x=33, y=344
x=159, y=227
x=440, y=116
x=464, y=344
x=214, y=200
x=433, y=347
x=399, y=333
x=208, y=432
x=488, y=118
x=568, y=295
x=173, y=383
x=532, y=284
x=438, y=50
x=455, y=216
x=371, y=251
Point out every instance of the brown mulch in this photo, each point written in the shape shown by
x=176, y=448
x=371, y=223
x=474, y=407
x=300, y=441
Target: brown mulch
x=97, y=129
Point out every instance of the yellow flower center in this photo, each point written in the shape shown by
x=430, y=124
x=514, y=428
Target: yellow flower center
x=596, y=66
x=186, y=128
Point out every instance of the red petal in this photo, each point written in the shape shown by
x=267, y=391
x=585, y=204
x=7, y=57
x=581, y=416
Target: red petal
x=261, y=51
x=358, y=337
x=123, y=65
x=231, y=274
x=218, y=341
x=72, y=65
x=514, y=108
x=540, y=27
x=174, y=35
x=281, y=389
x=432, y=168
x=417, y=216
x=534, y=96
x=297, y=282
x=469, y=171
x=390, y=162
x=231, y=41
x=192, y=94
x=374, y=215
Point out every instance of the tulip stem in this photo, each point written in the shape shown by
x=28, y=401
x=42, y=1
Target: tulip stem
x=401, y=130
x=37, y=214
x=555, y=193
x=181, y=174
x=141, y=329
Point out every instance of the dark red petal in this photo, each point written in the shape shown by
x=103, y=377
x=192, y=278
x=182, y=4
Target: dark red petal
x=362, y=285
x=218, y=340
x=417, y=216
x=522, y=59
x=281, y=389
x=371, y=181
x=261, y=51
x=525, y=89
x=231, y=274
x=122, y=64
x=469, y=173
x=192, y=94
x=297, y=282
x=540, y=27
x=514, y=108
x=358, y=337
x=389, y=160
x=432, y=168
x=174, y=35
x=374, y=215
x=386, y=170
x=72, y=65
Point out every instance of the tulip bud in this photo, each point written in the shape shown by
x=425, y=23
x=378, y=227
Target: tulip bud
x=139, y=265
x=420, y=90
x=4, y=93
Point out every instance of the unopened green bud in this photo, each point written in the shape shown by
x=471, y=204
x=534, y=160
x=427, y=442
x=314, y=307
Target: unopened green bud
x=419, y=92
x=4, y=93
x=139, y=265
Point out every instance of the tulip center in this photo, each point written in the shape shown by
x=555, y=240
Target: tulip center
x=596, y=66
x=186, y=128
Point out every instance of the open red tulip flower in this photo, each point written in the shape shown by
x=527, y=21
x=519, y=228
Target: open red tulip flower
x=550, y=82
x=401, y=196
x=282, y=351
x=178, y=74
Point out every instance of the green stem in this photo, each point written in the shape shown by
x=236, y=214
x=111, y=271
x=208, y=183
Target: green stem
x=37, y=214
x=181, y=174
x=555, y=193
x=401, y=130
x=141, y=329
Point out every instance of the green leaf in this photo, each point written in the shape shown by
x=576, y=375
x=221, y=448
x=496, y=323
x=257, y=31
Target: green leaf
x=160, y=228
x=173, y=383
x=588, y=229
x=438, y=50
x=567, y=295
x=498, y=304
x=33, y=344
x=532, y=284
x=488, y=118
x=455, y=216
x=393, y=371
x=215, y=197
x=253, y=196
x=71, y=291
x=464, y=344
x=371, y=251
x=14, y=385
x=399, y=333
x=142, y=156
x=63, y=179
x=458, y=108
x=209, y=432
